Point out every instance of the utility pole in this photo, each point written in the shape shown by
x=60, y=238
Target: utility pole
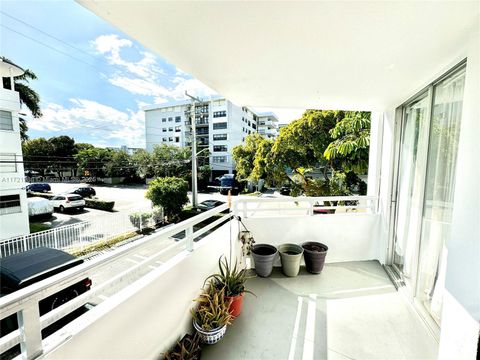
x=194, y=151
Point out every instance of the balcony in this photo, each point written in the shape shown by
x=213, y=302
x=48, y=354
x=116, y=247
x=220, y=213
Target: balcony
x=309, y=317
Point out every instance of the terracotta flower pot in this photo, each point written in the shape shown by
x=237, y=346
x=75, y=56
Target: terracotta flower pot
x=236, y=304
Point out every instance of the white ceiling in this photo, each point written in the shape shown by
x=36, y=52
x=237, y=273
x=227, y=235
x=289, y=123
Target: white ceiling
x=337, y=55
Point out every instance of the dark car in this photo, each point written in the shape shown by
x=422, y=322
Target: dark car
x=38, y=187
x=210, y=204
x=23, y=269
x=83, y=191
x=285, y=190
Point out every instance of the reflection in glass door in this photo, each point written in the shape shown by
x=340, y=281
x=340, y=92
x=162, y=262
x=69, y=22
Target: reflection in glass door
x=439, y=188
x=414, y=144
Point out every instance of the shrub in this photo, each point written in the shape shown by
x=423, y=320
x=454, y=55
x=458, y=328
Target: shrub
x=38, y=194
x=99, y=204
x=140, y=220
x=170, y=193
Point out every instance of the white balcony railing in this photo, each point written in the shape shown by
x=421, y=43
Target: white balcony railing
x=24, y=302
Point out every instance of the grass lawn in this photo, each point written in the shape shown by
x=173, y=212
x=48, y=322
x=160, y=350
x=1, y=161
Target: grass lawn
x=36, y=227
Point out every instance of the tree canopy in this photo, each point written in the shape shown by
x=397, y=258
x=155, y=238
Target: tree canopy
x=170, y=193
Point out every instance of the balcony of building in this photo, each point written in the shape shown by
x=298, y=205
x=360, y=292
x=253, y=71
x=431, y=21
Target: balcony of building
x=350, y=310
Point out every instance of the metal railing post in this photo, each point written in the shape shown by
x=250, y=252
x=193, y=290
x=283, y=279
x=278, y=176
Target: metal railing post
x=25, y=244
x=30, y=331
x=55, y=238
x=189, y=238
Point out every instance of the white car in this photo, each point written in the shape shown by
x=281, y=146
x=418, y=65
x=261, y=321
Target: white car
x=38, y=206
x=68, y=201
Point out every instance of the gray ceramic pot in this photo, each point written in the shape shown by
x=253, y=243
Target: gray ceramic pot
x=290, y=255
x=314, y=254
x=263, y=256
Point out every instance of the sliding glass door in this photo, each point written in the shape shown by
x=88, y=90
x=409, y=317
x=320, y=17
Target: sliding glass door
x=425, y=185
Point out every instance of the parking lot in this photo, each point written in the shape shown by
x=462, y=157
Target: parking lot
x=128, y=198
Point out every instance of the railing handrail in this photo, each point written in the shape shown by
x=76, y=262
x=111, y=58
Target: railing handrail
x=305, y=198
x=37, y=291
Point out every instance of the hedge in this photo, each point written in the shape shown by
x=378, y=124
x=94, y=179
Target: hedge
x=89, y=203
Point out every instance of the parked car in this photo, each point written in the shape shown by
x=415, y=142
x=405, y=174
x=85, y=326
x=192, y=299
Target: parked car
x=26, y=268
x=210, y=204
x=83, y=191
x=38, y=187
x=38, y=206
x=63, y=202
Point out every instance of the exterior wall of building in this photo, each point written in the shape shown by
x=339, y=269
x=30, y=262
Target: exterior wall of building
x=14, y=219
x=228, y=124
x=268, y=125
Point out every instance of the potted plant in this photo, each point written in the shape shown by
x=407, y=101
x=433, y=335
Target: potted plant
x=186, y=349
x=290, y=256
x=263, y=256
x=314, y=253
x=212, y=315
x=232, y=281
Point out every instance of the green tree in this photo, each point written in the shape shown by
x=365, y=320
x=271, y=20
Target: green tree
x=37, y=155
x=169, y=160
x=351, y=141
x=82, y=146
x=94, y=161
x=28, y=97
x=120, y=164
x=244, y=155
x=143, y=162
x=62, y=156
x=170, y=193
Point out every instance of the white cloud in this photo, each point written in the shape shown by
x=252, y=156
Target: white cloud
x=100, y=121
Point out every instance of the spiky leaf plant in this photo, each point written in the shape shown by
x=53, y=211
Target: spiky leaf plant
x=186, y=349
x=231, y=279
x=213, y=309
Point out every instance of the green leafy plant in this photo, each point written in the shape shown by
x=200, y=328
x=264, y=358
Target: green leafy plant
x=170, y=193
x=189, y=348
x=99, y=204
x=140, y=220
x=213, y=309
x=231, y=280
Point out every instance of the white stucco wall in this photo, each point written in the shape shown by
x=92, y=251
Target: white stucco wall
x=349, y=237
x=13, y=183
x=147, y=318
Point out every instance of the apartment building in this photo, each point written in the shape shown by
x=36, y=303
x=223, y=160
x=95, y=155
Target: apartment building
x=268, y=125
x=220, y=126
x=13, y=198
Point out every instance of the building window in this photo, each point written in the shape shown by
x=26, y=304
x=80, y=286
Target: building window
x=10, y=204
x=254, y=126
x=178, y=119
x=164, y=139
x=164, y=119
x=170, y=119
x=218, y=126
x=170, y=138
x=164, y=130
x=217, y=114
x=6, y=122
x=219, y=159
x=8, y=163
x=177, y=139
x=220, y=148
x=219, y=136
x=170, y=129
x=177, y=128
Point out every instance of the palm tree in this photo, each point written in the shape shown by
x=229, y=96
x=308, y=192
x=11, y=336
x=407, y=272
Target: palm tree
x=28, y=97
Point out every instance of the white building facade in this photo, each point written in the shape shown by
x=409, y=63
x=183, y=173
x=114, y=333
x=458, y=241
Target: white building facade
x=268, y=125
x=13, y=198
x=220, y=126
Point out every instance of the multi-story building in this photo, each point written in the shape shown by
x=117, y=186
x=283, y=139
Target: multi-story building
x=13, y=198
x=268, y=125
x=220, y=126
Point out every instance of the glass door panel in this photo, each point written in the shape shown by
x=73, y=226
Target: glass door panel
x=414, y=142
x=439, y=188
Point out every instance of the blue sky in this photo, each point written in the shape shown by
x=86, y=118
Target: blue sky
x=92, y=79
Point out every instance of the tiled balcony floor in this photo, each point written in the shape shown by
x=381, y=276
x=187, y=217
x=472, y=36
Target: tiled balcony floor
x=350, y=311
